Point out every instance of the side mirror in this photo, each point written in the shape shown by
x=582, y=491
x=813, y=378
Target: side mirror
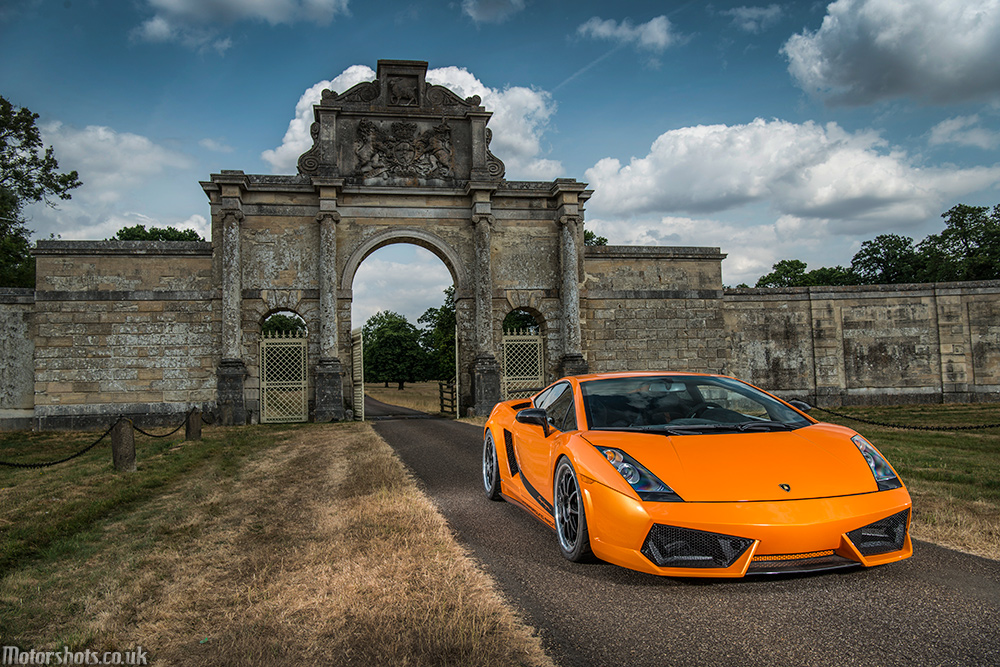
x=535, y=416
x=800, y=405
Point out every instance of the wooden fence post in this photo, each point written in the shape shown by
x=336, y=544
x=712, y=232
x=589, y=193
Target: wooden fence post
x=192, y=430
x=123, y=446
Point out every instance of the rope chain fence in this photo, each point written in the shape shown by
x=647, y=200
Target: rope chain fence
x=11, y=464
x=905, y=427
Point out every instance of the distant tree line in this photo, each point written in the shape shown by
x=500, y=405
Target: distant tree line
x=967, y=249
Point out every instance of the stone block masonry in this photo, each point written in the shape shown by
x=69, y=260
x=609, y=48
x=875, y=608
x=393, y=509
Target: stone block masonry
x=123, y=327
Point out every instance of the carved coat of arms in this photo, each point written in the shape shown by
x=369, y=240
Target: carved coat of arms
x=402, y=151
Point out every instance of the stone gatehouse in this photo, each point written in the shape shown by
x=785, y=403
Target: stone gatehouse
x=155, y=328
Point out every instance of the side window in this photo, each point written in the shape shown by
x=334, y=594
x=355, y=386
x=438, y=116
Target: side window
x=562, y=412
x=549, y=396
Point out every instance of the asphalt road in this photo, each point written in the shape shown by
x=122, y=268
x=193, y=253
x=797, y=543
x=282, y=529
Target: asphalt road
x=938, y=608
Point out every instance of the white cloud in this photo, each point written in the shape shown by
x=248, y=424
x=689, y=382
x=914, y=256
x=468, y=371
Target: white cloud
x=215, y=146
x=491, y=11
x=854, y=183
x=964, y=131
x=192, y=22
x=520, y=117
x=114, y=167
x=654, y=35
x=865, y=51
x=754, y=19
x=402, y=278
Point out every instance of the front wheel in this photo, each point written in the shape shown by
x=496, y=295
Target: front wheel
x=491, y=468
x=571, y=519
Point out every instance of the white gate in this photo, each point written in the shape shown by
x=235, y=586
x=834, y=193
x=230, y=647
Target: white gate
x=522, y=368
x=358, y=373
x=284, y=383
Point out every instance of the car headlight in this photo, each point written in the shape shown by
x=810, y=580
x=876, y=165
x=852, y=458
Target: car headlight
x=884, y=476
x=645, y=483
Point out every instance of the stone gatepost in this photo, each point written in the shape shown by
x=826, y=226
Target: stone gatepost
x=232, y=369
x=571, y=224
x=328, y=375
x=485, y=369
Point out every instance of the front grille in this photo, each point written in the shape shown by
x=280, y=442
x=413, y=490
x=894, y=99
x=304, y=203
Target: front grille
x=508, y=441
x=786, y=563
x=882, y=536
x=671, y=546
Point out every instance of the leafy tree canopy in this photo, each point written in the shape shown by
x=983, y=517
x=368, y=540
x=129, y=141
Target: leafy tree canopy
x=28, y=173
x=520, y=320
x=967, y=249
x=590, y=238
x=286, y=322
x=438, y=337
x=392, y=351
x=140, y=233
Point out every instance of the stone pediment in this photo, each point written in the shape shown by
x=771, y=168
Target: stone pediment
x=400, y=130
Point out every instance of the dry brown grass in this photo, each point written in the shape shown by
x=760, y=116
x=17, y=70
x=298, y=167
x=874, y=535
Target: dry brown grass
x=423, y=396
x=320, y=550
x=972, y=526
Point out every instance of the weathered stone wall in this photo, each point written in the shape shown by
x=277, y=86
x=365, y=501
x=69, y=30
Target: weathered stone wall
x=17, y=358
x=651, y=308
x=123, y=327
x=871, y=344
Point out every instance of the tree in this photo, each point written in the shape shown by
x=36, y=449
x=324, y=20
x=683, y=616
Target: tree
x=438, y=337
x=392, y=349
x=283, y=323
x=590, y=238
x=967, y=249
x=887, y=259
x=28, y=173
x=140, y=233
x=520, y=320
x=792, y=273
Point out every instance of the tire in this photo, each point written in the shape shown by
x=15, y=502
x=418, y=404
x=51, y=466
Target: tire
x=571, y=518
x=491, y=468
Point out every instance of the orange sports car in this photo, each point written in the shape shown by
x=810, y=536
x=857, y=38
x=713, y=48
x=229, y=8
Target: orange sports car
x=692, y=475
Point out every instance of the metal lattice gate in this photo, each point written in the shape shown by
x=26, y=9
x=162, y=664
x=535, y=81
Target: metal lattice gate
x=522, y=368
x=284, y=382
x=358, y=373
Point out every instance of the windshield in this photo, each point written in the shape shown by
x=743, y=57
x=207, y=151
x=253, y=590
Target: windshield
x=684, y=405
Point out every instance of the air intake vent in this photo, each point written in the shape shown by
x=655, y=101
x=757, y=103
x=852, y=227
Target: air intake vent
x=883, y=536
x=670, y=546
x=508, y=440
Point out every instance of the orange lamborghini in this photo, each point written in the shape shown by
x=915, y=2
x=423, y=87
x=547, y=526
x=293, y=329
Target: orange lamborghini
x=692, y=475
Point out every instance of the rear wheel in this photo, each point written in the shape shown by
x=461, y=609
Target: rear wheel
x=571, y=519
x=491, y=468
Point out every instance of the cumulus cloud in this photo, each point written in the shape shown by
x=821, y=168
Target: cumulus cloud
x=402, y=278
x=754, y=19
x=520, y=118
x=963, y=131
x=854, y=182
x=193, y=22
x=866, y=51
x=215, y=145
x=491, y=11
x=113, y=166
x=653, y=35
x=297, y=139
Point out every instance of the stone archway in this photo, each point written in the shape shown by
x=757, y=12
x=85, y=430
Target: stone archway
x=388, y=168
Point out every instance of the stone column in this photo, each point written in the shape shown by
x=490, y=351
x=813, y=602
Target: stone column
x=328, y=374
x=572, y=362
x=232, y=369
x=485, y=369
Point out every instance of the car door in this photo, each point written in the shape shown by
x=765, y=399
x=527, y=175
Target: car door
x=534, y=448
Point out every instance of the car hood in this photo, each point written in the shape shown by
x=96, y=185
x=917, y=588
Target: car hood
x=817, y=461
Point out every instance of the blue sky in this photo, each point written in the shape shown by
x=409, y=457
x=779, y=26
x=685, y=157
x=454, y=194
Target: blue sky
x=772, y=130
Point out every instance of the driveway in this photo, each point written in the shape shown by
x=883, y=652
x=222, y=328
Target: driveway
x=940, y=607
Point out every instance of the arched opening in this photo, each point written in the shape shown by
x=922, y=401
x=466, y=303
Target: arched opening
x=522, y=355
x=403, y=301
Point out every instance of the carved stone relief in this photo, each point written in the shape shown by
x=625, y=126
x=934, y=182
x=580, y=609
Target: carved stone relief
x=402, y=151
